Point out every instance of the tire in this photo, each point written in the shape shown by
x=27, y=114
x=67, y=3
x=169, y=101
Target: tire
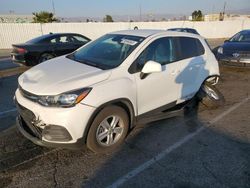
x=210, y=96
x=100, y=135
x=45, y=57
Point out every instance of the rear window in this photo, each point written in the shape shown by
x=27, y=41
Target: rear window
x=189, y=47
x=39, y=39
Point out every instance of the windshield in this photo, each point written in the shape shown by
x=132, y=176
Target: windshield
x=108, y=51
x=241, y=37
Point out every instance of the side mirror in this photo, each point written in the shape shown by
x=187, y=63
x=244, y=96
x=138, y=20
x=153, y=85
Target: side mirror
x=150, y=67
x=226, y=41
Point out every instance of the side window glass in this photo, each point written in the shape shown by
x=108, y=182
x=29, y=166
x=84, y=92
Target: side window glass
x=161, y=50
x=164, y=51
x=61, y=39
x=142, y=59
x=53, y=40
x=65, y=39
x=190, y=47
x=79, y=39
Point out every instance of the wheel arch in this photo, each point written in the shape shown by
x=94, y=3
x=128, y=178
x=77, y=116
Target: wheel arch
x=48, y=52
x=213, y=79
x=124, y=103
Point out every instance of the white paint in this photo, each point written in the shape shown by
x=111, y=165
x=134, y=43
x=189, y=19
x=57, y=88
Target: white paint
x=2, y=114
x=13, y=33
x=168, y=150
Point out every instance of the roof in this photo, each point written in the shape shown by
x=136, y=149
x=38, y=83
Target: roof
x=149, y=32
x=182, y=28
x=246, y=31
x=139, y=32
x=57, y=34
x=42, y=37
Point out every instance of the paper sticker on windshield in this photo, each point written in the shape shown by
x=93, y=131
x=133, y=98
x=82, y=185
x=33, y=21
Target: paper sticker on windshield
x=129, y=42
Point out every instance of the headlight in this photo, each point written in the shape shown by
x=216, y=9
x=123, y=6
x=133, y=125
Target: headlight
x=220, y=50
x=68, y=99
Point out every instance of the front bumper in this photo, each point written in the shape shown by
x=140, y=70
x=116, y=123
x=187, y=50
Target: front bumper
x=34, y=123
x=232, y=61
x=24, y=129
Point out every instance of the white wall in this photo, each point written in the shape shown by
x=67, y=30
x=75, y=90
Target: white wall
x=12, y=33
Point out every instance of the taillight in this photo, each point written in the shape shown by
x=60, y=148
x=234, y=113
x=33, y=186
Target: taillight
x=21, y=50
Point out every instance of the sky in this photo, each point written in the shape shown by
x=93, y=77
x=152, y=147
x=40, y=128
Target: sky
x=99, y=8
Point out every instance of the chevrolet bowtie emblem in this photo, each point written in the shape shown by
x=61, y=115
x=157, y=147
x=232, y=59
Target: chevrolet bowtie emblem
x=236, y=55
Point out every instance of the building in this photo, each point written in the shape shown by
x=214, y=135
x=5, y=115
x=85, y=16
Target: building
x=212, y=17
x=13, y=18
x=227, y=17
x=236, y=17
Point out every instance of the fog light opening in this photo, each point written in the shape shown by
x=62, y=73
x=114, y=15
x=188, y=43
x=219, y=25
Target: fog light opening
x=56, y=133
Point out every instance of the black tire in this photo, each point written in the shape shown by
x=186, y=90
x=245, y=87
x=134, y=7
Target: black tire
x=210, y=96
x=45, y=57
x=92, y=141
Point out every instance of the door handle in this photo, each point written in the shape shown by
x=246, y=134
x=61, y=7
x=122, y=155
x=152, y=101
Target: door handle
x=174, y=72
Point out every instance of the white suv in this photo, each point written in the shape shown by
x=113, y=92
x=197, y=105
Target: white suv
x=95, y=95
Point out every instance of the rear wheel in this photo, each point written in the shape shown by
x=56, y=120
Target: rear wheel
x=45, y=57
x=210, y=96
x=108, y=129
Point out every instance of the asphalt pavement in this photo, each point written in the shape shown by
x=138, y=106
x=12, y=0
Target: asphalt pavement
x=203, y=148
x=8, y=86
x=6, y=63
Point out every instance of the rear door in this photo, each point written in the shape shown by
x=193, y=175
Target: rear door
x=62, y=44
x=191, y=66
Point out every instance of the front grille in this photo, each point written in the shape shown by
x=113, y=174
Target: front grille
x=27, y=117
x=245, y=55
x=242, y=54
x=28, y=95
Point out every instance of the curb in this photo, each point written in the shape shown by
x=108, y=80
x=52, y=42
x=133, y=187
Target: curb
x=12, y=71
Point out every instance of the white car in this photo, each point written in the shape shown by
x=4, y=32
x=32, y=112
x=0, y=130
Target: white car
x=95, y=95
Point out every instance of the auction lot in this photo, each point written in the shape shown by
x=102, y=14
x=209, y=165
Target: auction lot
x=205, y=148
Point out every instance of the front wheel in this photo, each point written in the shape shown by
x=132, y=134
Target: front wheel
x=108, y=129
x=210, y=96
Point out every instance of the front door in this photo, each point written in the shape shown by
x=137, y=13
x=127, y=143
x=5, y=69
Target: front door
x=158, y=89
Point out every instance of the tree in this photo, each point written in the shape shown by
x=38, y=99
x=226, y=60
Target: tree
x=43, y=17
x=197, y=15
x=108, y=18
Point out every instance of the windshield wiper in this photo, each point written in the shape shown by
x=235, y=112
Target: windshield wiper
x=71, y=56
x=90, y=63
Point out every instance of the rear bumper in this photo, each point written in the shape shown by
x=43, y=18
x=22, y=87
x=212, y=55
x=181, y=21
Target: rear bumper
x=18, y=58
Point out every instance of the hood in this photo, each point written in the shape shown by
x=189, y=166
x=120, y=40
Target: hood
x=237, y=46
x=60, y=75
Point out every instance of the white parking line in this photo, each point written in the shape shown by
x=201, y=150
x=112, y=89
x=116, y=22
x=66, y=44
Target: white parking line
x=2, y=114
x=5, y=59
x=168, y=150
